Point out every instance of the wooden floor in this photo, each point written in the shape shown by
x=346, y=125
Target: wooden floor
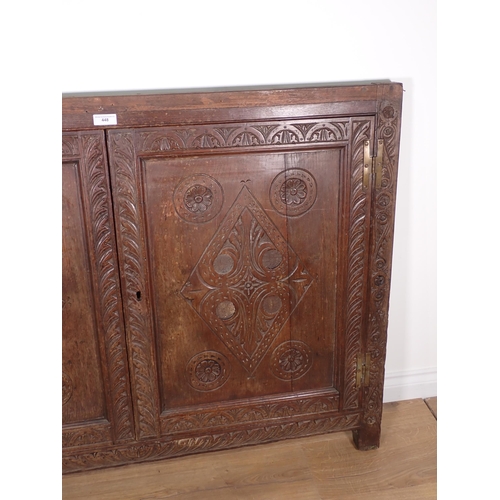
x=319, y=467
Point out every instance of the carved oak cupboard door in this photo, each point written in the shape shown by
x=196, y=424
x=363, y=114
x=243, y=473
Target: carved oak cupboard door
x=229, y=284
x=243, y=256
x=96, y=404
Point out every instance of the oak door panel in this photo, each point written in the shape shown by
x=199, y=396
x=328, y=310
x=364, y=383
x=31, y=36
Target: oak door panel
x=238, y=268
x=83, y=386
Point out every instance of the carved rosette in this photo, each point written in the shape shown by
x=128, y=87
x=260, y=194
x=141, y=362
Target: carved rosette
x=291, y=360
x=198, y=198
x=207, y=371
x=293, y=192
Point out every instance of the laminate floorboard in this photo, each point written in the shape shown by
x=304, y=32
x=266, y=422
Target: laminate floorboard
x=317, y=468
x=432, y=403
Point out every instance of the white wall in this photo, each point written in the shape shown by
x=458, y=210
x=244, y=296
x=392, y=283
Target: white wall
x=154, y=45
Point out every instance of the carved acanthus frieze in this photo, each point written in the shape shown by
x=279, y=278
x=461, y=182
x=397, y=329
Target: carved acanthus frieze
x=86, y=434
x=244, y=135
x=177, y=421
x=154, y=450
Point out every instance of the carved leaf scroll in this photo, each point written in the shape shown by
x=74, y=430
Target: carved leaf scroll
x=108, y=285
x=154, y=450
x=357, y=252
x=138, y=323
x=231, y=414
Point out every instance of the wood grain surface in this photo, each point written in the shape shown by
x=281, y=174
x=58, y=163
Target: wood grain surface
x=319, y=467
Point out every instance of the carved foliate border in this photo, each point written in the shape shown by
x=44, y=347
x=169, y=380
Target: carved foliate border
x=96, y=193
x=130, y=235
x=383, y=207
x=87, y=434
x=357, y=255
x=159, y=449
x=70, y=146
x=234, y=414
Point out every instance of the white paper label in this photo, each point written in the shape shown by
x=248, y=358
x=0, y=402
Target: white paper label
x=105, y=120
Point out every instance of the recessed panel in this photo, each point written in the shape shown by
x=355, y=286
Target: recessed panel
x=82, y=387
x=229, y=283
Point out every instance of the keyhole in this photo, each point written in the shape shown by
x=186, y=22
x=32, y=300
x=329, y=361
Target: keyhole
x=138, y=296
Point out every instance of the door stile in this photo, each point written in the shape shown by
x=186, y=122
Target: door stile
x=127, y=193
x=388, y=126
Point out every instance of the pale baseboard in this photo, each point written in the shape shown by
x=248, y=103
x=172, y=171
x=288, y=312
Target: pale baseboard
x=410, y=384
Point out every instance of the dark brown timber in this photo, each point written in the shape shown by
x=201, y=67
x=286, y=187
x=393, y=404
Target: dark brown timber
x=226, y=268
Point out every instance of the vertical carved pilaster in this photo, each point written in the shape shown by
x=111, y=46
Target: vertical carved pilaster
x=383, y=208
x=130, y=236
x=357, y=259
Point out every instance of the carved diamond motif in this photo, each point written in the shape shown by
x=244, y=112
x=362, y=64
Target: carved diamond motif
x=248, y=281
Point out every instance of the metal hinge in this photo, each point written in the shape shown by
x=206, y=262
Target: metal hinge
x=363, y=370
x=373, y=164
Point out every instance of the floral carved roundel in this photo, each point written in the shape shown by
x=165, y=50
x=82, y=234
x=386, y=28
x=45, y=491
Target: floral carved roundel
x=208, y=371
x=198, y=198
x=293, y=192
x=291, y=360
